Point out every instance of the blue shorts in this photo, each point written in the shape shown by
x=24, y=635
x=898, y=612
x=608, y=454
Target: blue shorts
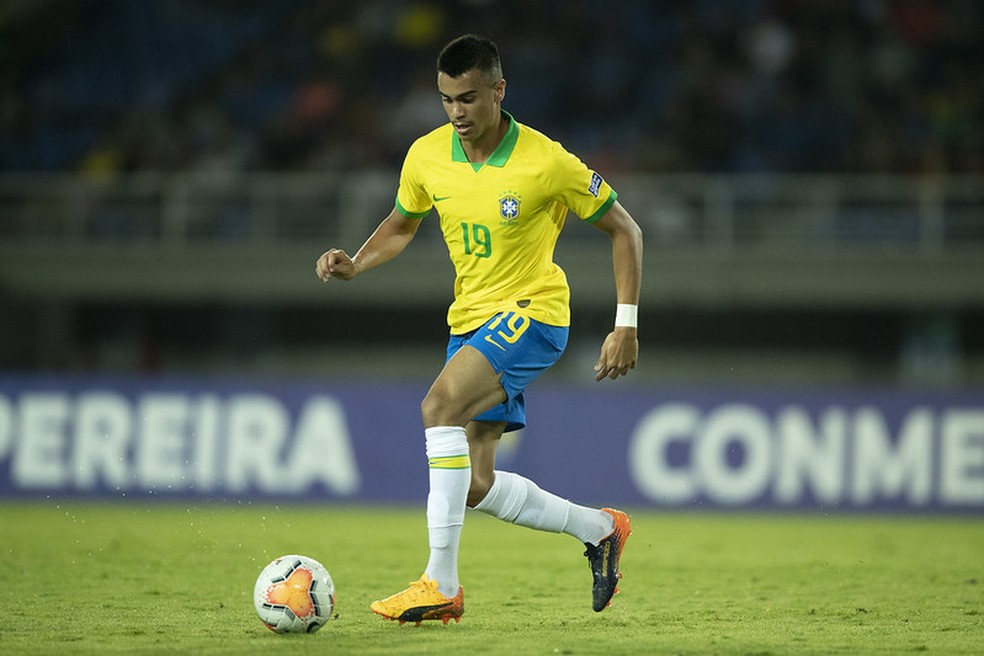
x=518, y=348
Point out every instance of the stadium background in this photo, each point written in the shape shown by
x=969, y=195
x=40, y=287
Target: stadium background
x=808, y=176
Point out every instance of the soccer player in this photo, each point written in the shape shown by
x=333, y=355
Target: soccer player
x=502, y=191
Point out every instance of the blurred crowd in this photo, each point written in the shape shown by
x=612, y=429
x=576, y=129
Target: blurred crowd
x=102, y=86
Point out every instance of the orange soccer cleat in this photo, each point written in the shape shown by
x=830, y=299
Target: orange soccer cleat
x=421, y=601
x=603, y=560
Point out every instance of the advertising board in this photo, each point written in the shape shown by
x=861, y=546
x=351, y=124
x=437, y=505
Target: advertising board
x=881, y=450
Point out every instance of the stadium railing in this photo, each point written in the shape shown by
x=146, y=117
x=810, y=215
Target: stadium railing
x=840, y=240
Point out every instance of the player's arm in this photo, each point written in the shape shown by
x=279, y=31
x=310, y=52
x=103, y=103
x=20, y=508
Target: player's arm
x=621, y=347
x=388, y=241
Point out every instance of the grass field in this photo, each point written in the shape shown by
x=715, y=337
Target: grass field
x=168, y=578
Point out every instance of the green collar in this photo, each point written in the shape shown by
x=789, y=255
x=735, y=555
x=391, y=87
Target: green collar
x=499, y=156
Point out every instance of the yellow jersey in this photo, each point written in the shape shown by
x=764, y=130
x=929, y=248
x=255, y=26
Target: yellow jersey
x=501, y=219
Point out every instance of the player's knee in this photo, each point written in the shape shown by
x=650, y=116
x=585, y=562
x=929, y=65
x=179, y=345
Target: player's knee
x=439, y=409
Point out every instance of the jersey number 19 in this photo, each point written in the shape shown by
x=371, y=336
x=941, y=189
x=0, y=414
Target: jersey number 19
x=477, y=238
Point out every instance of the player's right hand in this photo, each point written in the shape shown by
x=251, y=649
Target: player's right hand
x=334, y=263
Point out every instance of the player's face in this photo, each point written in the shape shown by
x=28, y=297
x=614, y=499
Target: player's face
x=472, y=103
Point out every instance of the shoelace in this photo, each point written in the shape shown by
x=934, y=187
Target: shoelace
x=419, y=588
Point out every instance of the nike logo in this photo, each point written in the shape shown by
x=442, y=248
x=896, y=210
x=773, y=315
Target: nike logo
x=488, y=338
x=438, y=199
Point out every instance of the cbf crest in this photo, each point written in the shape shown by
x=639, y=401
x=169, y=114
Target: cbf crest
x=509, y=204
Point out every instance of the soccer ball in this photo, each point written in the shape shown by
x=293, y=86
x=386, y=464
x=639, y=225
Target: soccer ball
x=294, y=594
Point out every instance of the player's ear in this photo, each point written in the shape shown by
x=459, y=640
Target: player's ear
x=500, y=90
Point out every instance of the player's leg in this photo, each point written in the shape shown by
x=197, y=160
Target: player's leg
x=513, y=498
x=467, y=385
x=518, y=500
x=533, y=348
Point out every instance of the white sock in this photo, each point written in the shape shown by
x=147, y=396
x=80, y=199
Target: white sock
x=450, y=475
x=520, y=501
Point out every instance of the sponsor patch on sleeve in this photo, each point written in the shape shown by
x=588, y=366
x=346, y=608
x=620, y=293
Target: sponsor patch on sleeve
x=595, y=185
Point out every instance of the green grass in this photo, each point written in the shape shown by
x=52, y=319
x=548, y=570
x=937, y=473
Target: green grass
x=169, y=579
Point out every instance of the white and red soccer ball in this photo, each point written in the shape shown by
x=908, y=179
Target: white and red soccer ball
x=294, y=594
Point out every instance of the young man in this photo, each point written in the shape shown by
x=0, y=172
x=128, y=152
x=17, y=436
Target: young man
x=502, y=191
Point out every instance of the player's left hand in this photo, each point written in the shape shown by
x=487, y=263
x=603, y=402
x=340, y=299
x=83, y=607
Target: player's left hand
x=618, y=354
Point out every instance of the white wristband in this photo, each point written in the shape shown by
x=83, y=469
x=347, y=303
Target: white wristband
x=626, y=316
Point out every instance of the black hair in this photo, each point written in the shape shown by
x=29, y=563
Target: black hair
x=467, y=52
